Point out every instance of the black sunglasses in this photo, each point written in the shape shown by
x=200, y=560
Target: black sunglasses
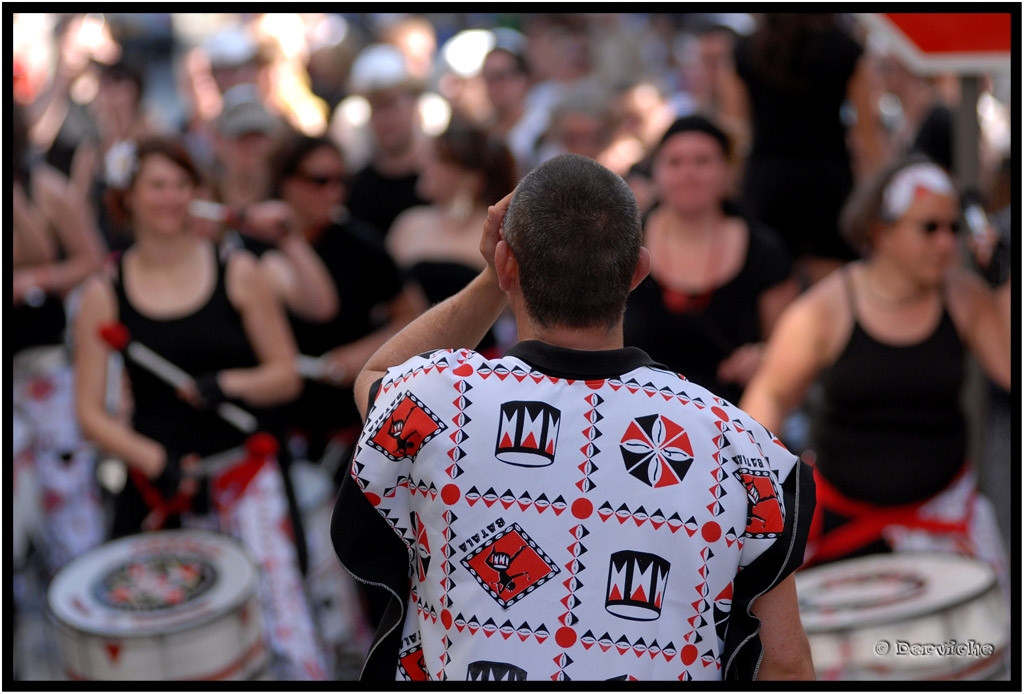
x=322, y=181
x=930, y=226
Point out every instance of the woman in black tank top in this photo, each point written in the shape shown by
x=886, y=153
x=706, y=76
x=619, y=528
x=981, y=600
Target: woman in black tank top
x=885, y=337
x=216, y=322
x=223, y=326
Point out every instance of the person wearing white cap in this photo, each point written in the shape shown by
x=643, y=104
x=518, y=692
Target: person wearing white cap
x=234, y=57
x=387, y=185
x=886, y=337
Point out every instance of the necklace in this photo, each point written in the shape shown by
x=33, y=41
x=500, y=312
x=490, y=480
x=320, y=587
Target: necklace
x=681, y=301
x=886, y=301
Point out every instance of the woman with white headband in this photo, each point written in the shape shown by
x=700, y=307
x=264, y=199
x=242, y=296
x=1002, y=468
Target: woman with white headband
x=885, y=338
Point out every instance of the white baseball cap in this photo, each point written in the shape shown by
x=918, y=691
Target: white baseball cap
x=378, y=67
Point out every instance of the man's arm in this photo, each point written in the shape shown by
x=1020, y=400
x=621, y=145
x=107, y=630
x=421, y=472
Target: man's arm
x=787, y=654
x=459, y=321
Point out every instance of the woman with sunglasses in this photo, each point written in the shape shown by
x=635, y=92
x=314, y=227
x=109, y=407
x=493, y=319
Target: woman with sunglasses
x=886, y=337
x=374, y=301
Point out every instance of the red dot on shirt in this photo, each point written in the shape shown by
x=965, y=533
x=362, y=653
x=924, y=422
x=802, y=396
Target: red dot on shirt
x=720, y=413
x=373, y=499
x=565, y=637
x=450, y=494
x=446, y=619
x=711, y=531
x=689, y=654
x=582, y=508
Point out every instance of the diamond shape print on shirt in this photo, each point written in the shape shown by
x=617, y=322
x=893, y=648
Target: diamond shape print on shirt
x=510, y=566
x=656, y=451
x=766, y=517
x=412, y=665
x=406, y=428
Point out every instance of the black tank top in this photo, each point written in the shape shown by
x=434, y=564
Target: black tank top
x=441, y=279
x=211, y=338
x=890, y=429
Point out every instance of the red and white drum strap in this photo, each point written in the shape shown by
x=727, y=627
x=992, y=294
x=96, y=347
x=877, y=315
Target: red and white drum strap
x=72, y=518
x=252, y=506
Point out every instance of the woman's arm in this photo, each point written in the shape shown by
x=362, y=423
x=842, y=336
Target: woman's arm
x=792, y=359
x=274, y=380
x=983, y=321
x=787, y=653
x=298, y=275
x=344, y=363
x=744, y=362
x=98, y=307
x=77, y=234
x=32, y=244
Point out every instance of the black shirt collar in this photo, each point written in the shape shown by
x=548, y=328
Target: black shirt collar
x=577, y=364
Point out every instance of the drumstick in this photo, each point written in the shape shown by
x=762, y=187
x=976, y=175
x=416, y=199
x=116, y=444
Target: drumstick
x=257, y=446
x=212, y=464
x=117, y=336
x=207, y=209
x=311, y=367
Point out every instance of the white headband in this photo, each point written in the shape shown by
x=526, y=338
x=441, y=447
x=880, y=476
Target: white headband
x=904, y=187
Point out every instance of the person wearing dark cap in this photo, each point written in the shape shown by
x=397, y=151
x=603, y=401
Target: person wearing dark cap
x=387, y=185
x=719, y=279
x=242, y=141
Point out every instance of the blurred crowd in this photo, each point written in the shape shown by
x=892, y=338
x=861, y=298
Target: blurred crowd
x=340, y=167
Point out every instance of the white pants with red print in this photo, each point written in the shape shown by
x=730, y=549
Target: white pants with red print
x=71, y=519
x=252, y=506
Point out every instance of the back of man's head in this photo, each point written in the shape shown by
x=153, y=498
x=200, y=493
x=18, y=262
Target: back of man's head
x=574, y=228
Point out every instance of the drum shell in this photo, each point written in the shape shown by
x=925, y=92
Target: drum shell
x=974, y=618
x=222, y=641
x=197, y=653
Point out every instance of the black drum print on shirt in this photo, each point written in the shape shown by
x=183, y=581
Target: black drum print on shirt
x=527, y=434
x=487, y=671
x=636, y=585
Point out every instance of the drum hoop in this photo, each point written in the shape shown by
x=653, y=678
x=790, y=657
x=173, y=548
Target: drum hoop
x=224, y=610
x=986, y=588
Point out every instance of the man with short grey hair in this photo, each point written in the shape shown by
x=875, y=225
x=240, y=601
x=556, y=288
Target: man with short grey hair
x=571, y=510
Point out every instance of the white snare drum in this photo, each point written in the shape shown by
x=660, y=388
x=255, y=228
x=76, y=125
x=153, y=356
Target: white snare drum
x=904, y=616
x=172, y=605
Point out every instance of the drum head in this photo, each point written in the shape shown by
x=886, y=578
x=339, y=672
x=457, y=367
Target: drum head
x=885, y=589
x=153, y=583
